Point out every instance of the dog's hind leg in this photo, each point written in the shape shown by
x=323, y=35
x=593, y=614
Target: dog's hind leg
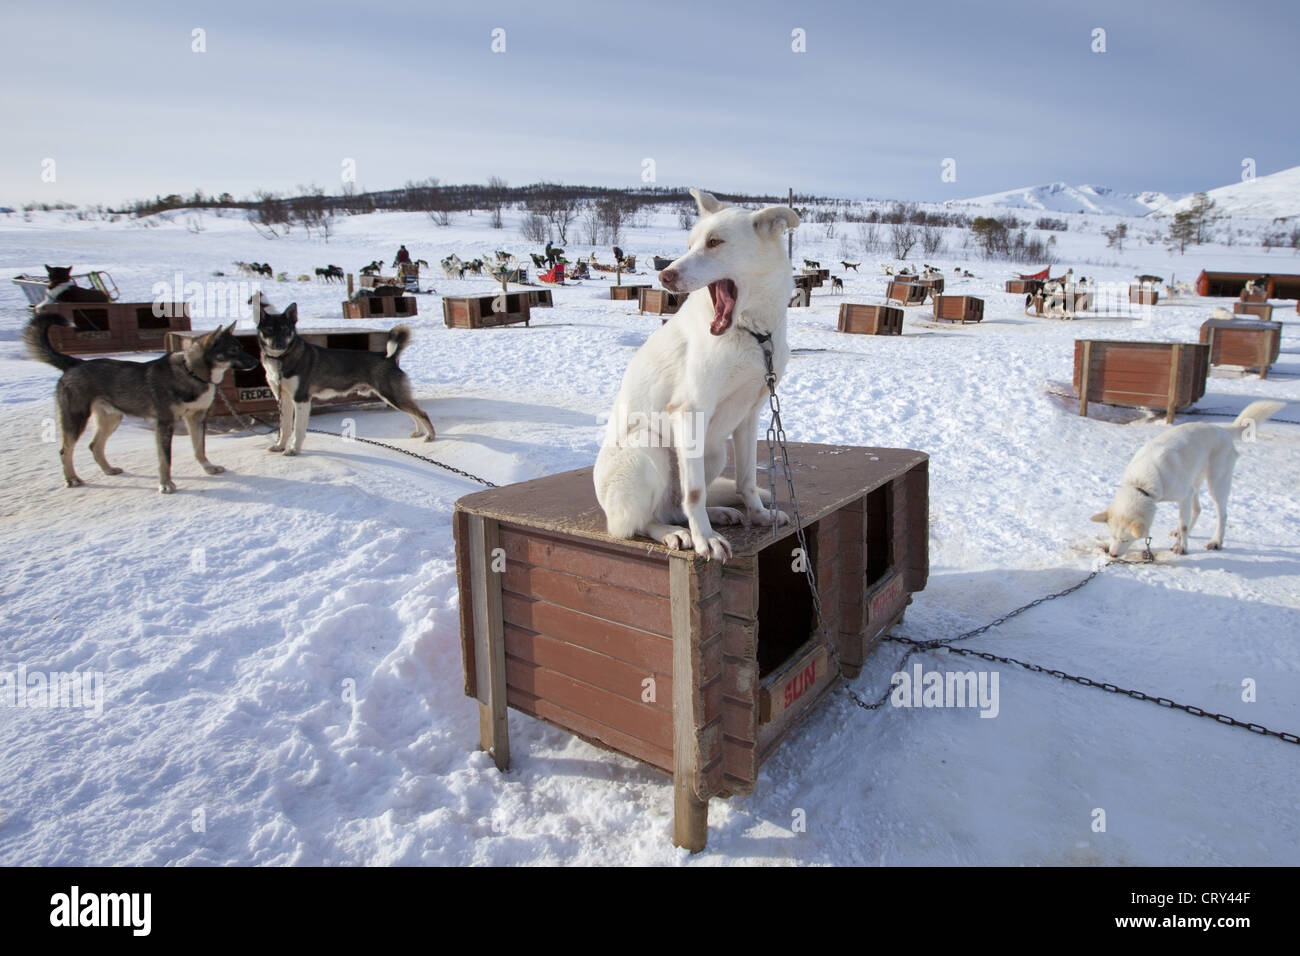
x=1185, y=519
x=106, y=422
x=72, y=422
x=196, y=422
x=164, y=433
x=1220, y=488
x=402, y=401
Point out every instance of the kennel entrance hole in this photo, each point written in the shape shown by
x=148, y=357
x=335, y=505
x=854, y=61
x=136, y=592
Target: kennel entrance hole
x=879, y=507
x=786, y=616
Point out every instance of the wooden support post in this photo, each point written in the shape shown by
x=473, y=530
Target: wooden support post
x=690, y=810
x=1085, y=372
x=1265, y=352
x=789, y=235
x=489, y=641
x=1175, y=367
x=618, y=272
x=349, y=285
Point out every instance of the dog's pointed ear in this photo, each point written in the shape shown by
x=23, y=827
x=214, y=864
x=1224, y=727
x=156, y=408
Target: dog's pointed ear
x=291, y=313
x=1101, y=517
x=230, y=329
x=210, y=337
x=707, y=202
x=773, y=219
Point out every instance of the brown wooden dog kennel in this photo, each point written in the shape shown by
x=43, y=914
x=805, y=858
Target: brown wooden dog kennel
x=486, y=311
x=626, y=293
x=116, y=326
x=380, y=307
x=249, y=394
x=1260, y=310
x=660, y=301
x=816, y=277
x=958, y=308
x=1025, y=286
x=906, y=292
x=1143, y=295
x=1244, y=342
x=375, y=282
x=1070, y=302
x=935, y=285
x=1232, y=283
x=694, y=667
x=803, y=286
x=870, y=319
x=540, y=299
x=1168, y=375
x=1259, y=295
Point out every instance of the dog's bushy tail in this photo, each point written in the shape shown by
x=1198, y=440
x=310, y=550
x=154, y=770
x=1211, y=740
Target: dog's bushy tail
x=399, y=337
x=37, y=336
x=1256, y=412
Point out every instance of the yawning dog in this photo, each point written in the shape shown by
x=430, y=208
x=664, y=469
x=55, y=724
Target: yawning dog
x=697, y=382
x=1172, y=467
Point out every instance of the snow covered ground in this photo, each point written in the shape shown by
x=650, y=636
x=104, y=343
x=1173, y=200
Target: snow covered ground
x=280, y=643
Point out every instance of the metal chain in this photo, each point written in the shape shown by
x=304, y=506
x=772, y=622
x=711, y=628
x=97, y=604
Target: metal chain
x=776, y=437
x=248, y=423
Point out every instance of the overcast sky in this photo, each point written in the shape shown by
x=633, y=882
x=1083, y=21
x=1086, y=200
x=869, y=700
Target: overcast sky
x=585, y=92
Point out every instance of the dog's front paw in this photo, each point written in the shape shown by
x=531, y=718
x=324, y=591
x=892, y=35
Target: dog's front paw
x=714, y=547
x=213, y=469
x=719, y=515
x=112, y=471
x=275, y=448
x=74, y=482
x=167, y=487
x=679, y=540
x=1178, y=548
x=290, y=452
x=764, y=517
x=1213, y=545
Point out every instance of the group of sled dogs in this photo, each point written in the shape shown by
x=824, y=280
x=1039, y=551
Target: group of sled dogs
x=709, y=367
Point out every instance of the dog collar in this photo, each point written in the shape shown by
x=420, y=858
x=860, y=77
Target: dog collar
x=1139, y=488
x=190, y=372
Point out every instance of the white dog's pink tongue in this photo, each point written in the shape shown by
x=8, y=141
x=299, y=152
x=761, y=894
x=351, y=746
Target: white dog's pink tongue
x=724, y=300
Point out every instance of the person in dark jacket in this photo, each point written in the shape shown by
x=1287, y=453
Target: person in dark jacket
x=402, y=256
x=618, y=255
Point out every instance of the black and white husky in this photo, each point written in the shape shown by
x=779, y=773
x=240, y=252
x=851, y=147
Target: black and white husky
x=298, y=371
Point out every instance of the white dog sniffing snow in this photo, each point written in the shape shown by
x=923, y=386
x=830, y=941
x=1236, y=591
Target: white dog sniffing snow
x=698, y=381
x=1171, y=467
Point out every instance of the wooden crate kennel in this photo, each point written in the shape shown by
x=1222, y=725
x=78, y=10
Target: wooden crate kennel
x=959, y=308
x=935, y=285
x=116, y=326
x=1025, y=286
x=1233, y=283
x=1243, y=342
x=696, y=668
x=376, y=282
x=1143, y=295
x=626, y=293
x=1260, y=310
x=249, y=394
x=661, y=301
x=816, y=277
x=1072, y=302
x=486, y=311
x=540, y=299
x=906, y=293
x=1259, y=295
x=380, y=307
x=870, y=319
x=1168, y=375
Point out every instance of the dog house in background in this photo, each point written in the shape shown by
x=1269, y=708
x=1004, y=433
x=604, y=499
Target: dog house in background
x=696, y=668
x=1168, y=375
x=1025, y=286
x=1243, y=342
x=906, y=292
x=626, y=293
x=486, y=311
x=1232, y=283
x=1143, y=295
x=116, y=326
x=870, y=319
x=1260, y=310
x=959, y=308
x=248, y=392
x=803, y=286
x=660, y=301
x=380, y=307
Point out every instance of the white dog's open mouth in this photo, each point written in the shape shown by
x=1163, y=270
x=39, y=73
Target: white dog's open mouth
x=723, y=293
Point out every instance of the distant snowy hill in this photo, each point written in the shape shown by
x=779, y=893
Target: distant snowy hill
x=1266, y=197
x=1062, y=197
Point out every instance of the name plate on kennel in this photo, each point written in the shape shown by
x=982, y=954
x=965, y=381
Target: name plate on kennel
x=697, y=668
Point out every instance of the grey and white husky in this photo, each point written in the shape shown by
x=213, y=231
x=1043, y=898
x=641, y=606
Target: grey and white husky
x=298, y=371
x=179, y=385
